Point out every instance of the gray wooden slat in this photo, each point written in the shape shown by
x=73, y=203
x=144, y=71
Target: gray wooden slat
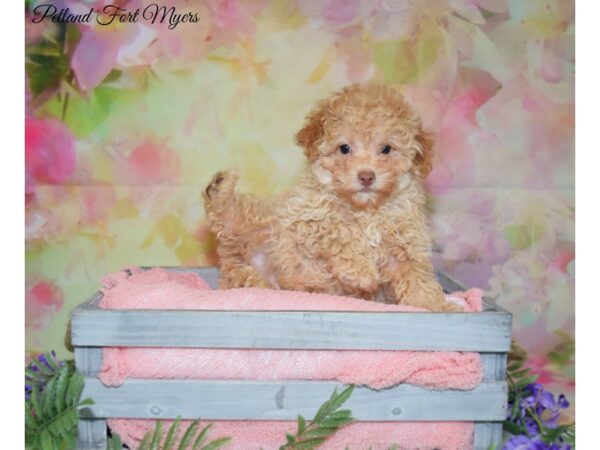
x=448, y=283
x=487, y=434
x=92, y=302
x=88, y=360
x=494, y=366
x=483, y=332
x=91, y=432
x=284, y=400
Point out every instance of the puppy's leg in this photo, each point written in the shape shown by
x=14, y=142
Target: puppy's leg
x=357, y=274
x=413, y=282
x=235, y=273
x=240, y=224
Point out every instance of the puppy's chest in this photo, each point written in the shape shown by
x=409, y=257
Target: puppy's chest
x=371, y=238
x=369, y=233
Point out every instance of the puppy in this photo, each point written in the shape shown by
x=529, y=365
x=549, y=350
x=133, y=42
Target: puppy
x=354, y=224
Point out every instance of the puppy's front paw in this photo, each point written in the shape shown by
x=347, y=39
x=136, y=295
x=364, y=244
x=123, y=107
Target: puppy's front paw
x=362, y=282
x=222, y=182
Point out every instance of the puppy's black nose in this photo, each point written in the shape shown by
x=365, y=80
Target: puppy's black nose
x=366, y=177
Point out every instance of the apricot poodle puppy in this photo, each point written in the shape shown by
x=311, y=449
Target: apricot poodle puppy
x=354, y=224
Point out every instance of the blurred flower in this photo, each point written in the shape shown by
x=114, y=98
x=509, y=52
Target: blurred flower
x=151, y=162
x=49, y=152
x=42, y=299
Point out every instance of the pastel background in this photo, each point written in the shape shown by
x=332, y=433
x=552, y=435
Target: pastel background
x=126, y=123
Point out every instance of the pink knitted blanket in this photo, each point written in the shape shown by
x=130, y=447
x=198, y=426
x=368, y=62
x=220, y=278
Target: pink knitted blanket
x=162, y=289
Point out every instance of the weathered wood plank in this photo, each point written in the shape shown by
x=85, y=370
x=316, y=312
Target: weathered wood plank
x=92, y=303
x=487, y=434
x=494, y=366
x=483, y=332
x=88, y=360
x=91, y=432
x=256, y=400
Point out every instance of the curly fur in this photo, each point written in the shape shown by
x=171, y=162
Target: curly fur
x=331, y=233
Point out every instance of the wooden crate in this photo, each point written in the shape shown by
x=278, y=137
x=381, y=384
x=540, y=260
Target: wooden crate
x=488, y=333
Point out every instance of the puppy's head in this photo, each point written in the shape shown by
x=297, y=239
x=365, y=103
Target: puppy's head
x=366, y=142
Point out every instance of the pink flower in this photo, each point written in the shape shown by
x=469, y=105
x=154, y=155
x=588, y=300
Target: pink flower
x=340, y=12
x=456, y=153
x=149, y=163
x=49, y=152
x=42, y=299
x=96, y=203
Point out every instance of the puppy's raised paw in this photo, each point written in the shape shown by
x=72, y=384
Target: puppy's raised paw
x=222, y=183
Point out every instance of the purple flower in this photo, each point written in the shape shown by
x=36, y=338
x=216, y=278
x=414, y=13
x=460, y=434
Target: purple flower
x=525, y=443
x=535, y=443
x=41, y=377
x=563, y=403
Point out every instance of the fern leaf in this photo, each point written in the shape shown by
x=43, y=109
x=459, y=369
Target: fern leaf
x=35, y=400
x=46, y=441
x=170, y=439
x=301, y=425
x=62, y=382
x=115, y=442
x=217, y=443
x=157, y=435
x=145, y=444
x=201, y=437
x=338, y=400
x=74, y=389
x=52, y=362
x=47, y=398
x=188, y=435
x=308, y=444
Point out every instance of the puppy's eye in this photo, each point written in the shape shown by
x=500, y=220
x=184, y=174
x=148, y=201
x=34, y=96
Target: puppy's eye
x=345, y=149
x=386, y=149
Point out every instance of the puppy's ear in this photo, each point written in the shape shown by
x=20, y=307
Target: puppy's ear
x=423, y=161
x=312, y=132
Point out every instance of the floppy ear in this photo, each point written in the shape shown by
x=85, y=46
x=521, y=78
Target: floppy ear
x=312, y=132
x=423, y=161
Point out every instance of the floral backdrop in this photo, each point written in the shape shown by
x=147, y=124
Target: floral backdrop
x=125, y=124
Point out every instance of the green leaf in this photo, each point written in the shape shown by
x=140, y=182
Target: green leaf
x=309, y=444
x=337, y=401
x=115, y=442
x=35, y=400
x=201, y=437
x=47, y=399
x=319, y=432
x=526, y=380
x=52, y=362
x=217, y=443
x=62, y=382
x=170, y=439
x=157, y=435
x=189, y=435
x=301, y=424
x=520, y=373
x=326, y=422
x=511, y=428
x=46, y=441
x=145, y=444
x=515, y=365
x=74, y=389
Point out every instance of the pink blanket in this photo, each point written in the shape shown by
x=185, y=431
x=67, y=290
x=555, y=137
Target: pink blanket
x=161, y=289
